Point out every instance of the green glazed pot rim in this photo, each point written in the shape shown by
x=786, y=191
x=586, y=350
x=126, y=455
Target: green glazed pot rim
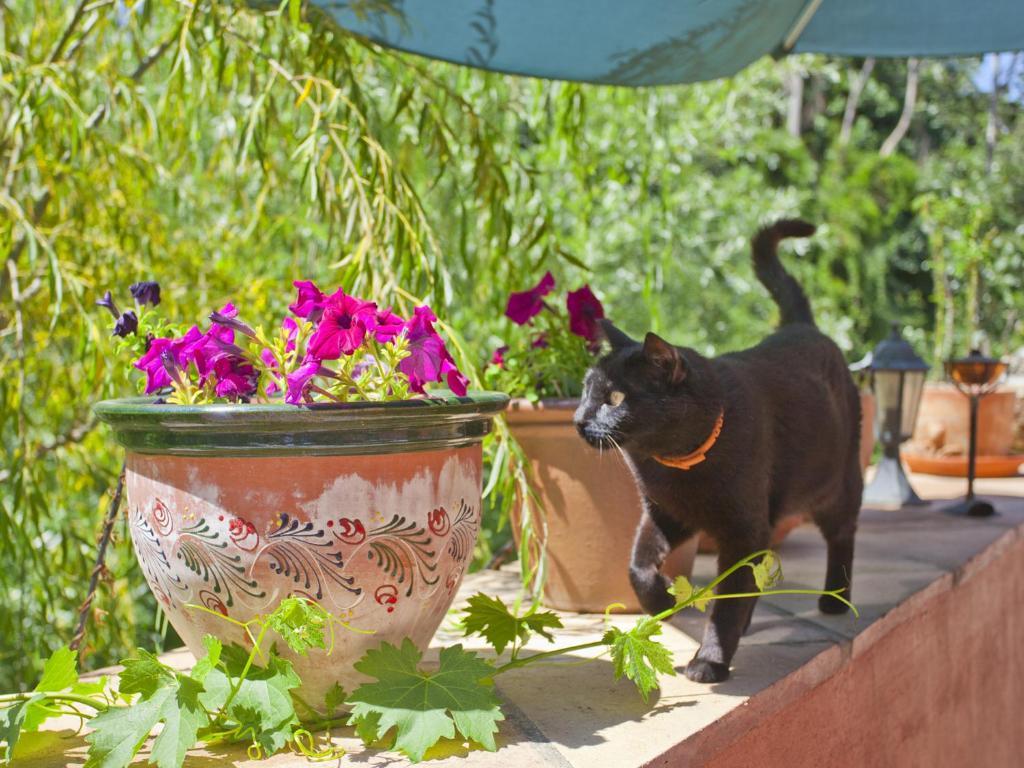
x=443, y=420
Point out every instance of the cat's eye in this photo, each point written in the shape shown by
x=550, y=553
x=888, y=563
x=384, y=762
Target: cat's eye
x=615, y=398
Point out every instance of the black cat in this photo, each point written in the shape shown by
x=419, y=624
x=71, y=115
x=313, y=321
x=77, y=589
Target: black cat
x=731, y=445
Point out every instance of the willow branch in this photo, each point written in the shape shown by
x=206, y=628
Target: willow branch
x=853, y=100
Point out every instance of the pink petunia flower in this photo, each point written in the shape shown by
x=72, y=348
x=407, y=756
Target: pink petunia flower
x=387, y=325
x=235, y=378
x=429, y=360
x=177, y=350
x=298, y=381
x=525, y=305
x=310, y=301
x=584, y=312
x=498, y=358
x=342, y=326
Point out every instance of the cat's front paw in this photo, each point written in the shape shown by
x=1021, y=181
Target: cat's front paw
x=704, y=671
x=828, y=604
x=651, y=588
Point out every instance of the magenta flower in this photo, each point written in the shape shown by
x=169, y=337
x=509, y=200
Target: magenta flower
x=584, y=312
x=298, y=381
x=387, y=325
x=428, y=358
x=152, y=362
x=498, y=358
x=228, y=318
x=541, y=342
x=293, y=331
x=310, y=301
x=342, y=327
x=525, y=305
x=235, y=378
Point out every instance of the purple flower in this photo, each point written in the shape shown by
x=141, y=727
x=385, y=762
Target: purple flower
x=146, y=292
x=541, y=342
x=298, y=381
x=429, y=359
x=235, y=378
x=228, y=317
x=310, y=301
x=108, y=302
x=525, y=305
x=342, y=327
x=126, y=324
x=152, y=362
x=498, y=358
x=293, y=331
x=584, y=312
x=387, y=325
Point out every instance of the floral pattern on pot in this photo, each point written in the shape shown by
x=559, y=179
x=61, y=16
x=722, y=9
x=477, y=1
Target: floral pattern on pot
x=381, y=541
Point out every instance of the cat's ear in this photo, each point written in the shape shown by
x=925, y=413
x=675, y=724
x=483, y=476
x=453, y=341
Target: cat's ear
x=615, y=337
x=666, y=357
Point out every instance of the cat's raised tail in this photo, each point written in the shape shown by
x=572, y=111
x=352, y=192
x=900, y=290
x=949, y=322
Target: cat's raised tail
x=793, y=304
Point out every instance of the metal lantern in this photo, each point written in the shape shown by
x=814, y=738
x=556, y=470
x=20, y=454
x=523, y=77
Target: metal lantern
x=897, y=379
x=975, y=376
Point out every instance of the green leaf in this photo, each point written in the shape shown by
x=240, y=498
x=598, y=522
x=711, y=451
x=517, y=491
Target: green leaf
x=334, y=698
x=301, y=624
x=768, y=572
x=60, y=671
x=682, y=589
x=205, y=665
x=145, y=674
x=637, y=656
x=171, y=699
x=425, y=707
x=490, y=618
x=263, y=702
x=701, y=600
x=12, y=720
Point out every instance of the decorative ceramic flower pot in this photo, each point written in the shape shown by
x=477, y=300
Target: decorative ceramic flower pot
x=592, y=509
x=370, y=509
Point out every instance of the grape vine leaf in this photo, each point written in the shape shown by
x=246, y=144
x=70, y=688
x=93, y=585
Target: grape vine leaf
x=490, y=618
x=12, y=721
x=165, y=696
x=60, y=670
x=682, y=589
x=637, y=656
x=301, y=624
x=768, y=572
x=263, y=702
x=424, y=707
x=205, y=665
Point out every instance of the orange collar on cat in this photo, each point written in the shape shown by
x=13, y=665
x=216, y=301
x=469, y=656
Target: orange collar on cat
x=694, y=458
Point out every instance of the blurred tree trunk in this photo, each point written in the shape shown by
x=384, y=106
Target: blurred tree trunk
x=853, y=99
x=794, y=103
x=893, y=140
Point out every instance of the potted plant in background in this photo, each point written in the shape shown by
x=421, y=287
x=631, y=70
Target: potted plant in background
x=588, y=498
x=310, y=460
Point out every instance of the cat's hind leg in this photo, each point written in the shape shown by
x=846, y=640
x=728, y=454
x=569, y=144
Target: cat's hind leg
x=839, y=527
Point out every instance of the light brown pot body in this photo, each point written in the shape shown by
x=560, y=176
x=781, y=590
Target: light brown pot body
x=592, y=510
x=380, y=541
x=943, y=422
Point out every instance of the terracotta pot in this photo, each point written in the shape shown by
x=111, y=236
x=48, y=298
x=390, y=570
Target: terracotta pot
x=592, y=509
x=372, y=510
x=943, y=423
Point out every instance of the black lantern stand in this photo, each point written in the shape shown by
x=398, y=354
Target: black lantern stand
x=975, y=376
x=897, y=379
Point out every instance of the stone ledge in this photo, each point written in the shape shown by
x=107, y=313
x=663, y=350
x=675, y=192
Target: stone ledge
x=936, y=593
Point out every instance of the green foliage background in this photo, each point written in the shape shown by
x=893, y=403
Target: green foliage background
x=225, y=151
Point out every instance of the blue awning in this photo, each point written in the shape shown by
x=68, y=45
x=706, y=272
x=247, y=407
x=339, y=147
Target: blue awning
x=653, y=42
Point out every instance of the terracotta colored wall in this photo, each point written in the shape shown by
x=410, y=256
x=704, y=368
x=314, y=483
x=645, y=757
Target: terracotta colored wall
x=944, y=688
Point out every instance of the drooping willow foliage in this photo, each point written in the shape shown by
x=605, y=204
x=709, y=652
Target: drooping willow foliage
x=226, y=150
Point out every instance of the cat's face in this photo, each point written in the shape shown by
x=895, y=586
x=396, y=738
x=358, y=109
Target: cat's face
x=642, y=396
